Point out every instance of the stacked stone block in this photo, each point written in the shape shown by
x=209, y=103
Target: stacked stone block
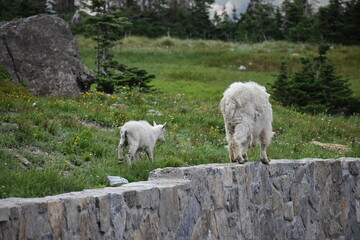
x=288, y=199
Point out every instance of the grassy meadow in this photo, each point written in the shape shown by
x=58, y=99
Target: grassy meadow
x=55, y=145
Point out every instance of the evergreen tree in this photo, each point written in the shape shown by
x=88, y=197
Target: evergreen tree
x=305, y=89
x=258, y=22
x=334, y=91
x=12, y=9
x=315, y=88
x=278, y=25
x=106, y=28
x=294, y=20
x=225, y=26
x=281, y=87
x=298, y=26
x=157, y=18
x=351, y=29
x=199, y=17
x=331, y=22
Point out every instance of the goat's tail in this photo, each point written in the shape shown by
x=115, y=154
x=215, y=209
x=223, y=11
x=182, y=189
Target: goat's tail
x=123, y=136
x=227, y=108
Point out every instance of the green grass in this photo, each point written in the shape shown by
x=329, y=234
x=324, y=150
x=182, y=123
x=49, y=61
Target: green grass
x=214, y=61
x=71, y=143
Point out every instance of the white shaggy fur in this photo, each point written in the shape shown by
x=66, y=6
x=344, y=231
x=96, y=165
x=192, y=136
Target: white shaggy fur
x=247, y=115
x=139, y=135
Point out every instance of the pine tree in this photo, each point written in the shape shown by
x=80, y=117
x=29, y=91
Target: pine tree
x=315, y=88
x=281, y=87
x=199, y=17
x=225, y=25
x=334, y=90
x=331, y=22
x=258, y=23
x=278, y=25
x=298, y=23
x=106, y=28
x=351, y=30
x=10, y=9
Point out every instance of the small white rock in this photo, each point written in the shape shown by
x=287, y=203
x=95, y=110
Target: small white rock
x=242, y=68
x=119, y=105
x=153, y=112
x=117, y=181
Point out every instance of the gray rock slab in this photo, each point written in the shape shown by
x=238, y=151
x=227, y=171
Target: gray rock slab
x=40, y=52
x=116, y=181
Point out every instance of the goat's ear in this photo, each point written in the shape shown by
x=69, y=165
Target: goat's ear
x=154, y=123
x=164, y=125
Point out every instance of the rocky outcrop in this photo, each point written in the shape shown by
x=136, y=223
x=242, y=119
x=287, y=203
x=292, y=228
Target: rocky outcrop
x=288, y=199
x=40, y=52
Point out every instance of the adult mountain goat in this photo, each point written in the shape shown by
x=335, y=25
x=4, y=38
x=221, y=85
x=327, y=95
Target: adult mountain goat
x=247, y=115
x=139, y=135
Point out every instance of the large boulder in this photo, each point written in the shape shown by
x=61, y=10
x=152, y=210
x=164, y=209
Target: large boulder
x=40, y=52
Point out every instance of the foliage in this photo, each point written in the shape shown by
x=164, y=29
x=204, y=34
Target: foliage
x=316, y=88
x=338, y=22
x=4, y=74
x=10, y=9
x=106, y=28
x=331, y=21
x=169, y=18
x=124, y=76
x=281, y=87
x=257, y=23
x=292, y=20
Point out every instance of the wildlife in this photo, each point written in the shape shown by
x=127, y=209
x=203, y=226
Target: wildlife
x=248, y=119
x=137, y=136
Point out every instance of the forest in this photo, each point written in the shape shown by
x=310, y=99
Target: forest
x=293, y=20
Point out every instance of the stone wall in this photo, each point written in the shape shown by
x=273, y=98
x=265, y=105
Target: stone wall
x=288, y=199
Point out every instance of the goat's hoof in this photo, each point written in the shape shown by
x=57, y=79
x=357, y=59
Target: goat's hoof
x=265, y=161
x=240, y=160
x=120, y=161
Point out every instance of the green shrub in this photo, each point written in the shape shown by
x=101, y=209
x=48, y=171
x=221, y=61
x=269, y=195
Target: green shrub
x=315, y=88
x=4, y=74
x=167, y=42
x=123, y=76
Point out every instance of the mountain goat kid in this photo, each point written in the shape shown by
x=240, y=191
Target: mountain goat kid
x=139, y=135
x=247, y=115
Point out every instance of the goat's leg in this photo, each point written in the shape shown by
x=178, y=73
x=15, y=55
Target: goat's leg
x=137, y=155
x=240, y=143
x=233, y=147
x=150, y=154
x=121, y=147
x=131, y=154
x=263, y=156
x=233, y=150
x=245, y=157
x=265, y=138
x=122, y=144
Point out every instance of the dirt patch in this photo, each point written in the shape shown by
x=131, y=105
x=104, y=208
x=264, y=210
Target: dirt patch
x=333, y=146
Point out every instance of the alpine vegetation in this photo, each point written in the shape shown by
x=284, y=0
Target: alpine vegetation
x=139, y=135
x=248, y=117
